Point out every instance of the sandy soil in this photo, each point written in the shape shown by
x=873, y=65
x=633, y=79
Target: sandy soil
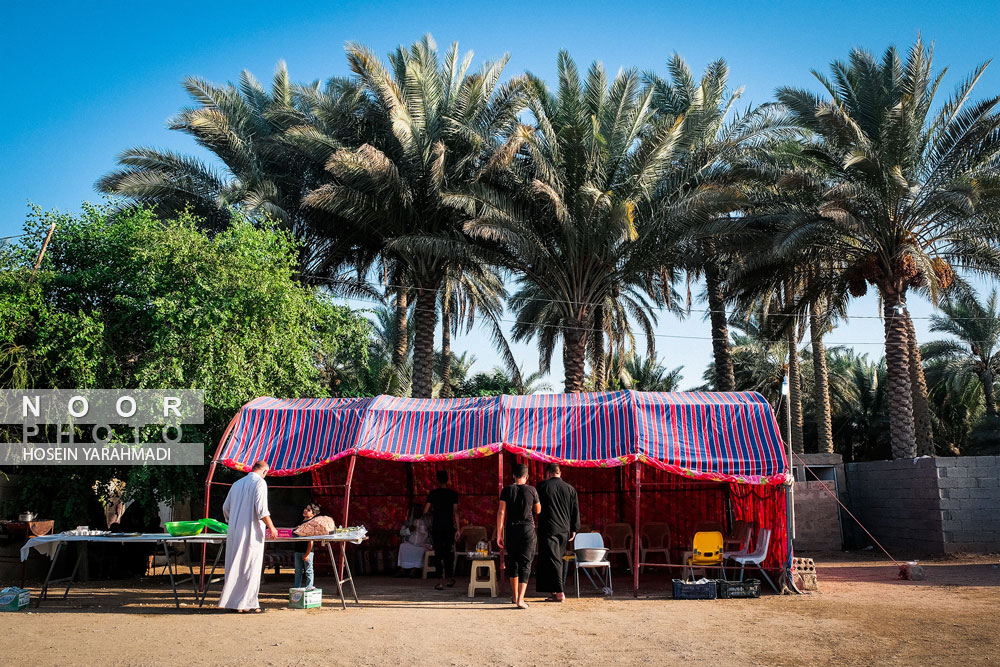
x=862, y=616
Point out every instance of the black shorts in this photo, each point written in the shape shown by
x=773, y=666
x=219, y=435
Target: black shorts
x=520, y=547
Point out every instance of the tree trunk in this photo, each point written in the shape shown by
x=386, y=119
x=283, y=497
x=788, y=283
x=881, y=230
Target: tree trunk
x=400, y=350
x=821, y=381
x=599, y=356
x=423, y=342
x=445, y=350
x=989, y=397
x=923, y=427
x=725, y=376
x=574, y=354
x=795, y=390
x=897, y=361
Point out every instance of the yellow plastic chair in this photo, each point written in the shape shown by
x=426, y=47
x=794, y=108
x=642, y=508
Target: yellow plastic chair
x=706, y=551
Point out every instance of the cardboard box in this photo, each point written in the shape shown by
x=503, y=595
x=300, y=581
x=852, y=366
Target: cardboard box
x=14, y=599
x=300, y=598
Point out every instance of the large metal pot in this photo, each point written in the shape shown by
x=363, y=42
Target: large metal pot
x=590, y=555
x=27, y=516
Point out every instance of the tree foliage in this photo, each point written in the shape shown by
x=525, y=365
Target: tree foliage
x=132, y=301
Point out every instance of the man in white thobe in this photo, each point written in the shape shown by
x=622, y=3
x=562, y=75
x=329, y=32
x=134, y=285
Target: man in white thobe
x=246, y=511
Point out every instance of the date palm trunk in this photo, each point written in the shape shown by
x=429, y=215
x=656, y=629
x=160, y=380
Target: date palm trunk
x=599, y=357
x=795, y=391
x=425, y=321
x=989, y=396
x=794, y=374
x=400, y=348
x=821, y=381
x=923, y=427
x=725, y=376
x=897, y=361
x=445, y=350
x=574, y=354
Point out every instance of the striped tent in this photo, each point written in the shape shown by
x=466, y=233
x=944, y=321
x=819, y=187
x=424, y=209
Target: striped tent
x=729, y=437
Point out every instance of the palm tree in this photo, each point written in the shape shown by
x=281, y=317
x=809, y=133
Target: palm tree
x=976, y=351
x=717, y=145
x=647, y=374
x=500, y=381
x=470, y=289
x=704, y=105
x=431, y=128
x=262, y=175
x=858, y=399
x=571, y=212
x=906, y=193
x=759, y=363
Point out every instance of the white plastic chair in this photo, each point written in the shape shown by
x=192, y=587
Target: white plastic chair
x=756, y=557
x=591, y=541
x=744, y=549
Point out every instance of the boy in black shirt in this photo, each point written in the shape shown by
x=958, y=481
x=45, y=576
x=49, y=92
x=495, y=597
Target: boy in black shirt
x=442, y=504
x=516, y=530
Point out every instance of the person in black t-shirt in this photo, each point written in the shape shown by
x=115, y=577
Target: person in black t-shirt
x=516, y=530
x=442, y=504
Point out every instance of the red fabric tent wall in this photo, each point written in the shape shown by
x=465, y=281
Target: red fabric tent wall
x=382, y=492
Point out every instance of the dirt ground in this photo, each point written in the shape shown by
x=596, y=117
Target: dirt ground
x=862, y=616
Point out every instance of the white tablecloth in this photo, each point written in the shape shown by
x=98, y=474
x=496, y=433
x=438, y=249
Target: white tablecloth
x=47, y=544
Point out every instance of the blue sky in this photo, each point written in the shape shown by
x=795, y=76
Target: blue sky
x=83, y=81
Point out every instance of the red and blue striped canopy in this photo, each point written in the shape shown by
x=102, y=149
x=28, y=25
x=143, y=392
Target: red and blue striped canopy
x=723, y=436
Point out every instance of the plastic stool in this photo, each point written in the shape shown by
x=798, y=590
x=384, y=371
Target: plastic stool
x=428, y=555
x=489, y=583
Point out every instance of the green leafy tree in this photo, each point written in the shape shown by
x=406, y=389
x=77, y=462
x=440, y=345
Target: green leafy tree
x=133, y=301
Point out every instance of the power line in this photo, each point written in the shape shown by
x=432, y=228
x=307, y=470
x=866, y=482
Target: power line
x=667, y=309
x=654, y=335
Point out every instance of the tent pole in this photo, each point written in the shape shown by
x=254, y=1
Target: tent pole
x=208, y=489
x=635, y=535
x=789, y=497
x=499, y=491
x=347, y=504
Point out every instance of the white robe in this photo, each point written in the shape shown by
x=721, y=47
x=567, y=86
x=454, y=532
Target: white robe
x=245, y=507
x=411, y=552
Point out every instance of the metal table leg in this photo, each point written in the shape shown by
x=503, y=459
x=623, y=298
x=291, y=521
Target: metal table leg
x=76, y=566
x=208, y=584
x=194, y=581
x=170, y=569
x=336, y=575
x=48, y=576
x=350, y=577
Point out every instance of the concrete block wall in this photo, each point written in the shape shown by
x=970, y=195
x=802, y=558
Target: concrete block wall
x=970, y=503
x=929, y=505
x=817, y=524
x=817, y=514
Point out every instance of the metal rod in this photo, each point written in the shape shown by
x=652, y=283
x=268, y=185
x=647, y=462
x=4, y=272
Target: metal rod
x=789, y=489
x=500, y=583
x=292, y=486
x=347, y=504
x=208, y=488
x=635, y=535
